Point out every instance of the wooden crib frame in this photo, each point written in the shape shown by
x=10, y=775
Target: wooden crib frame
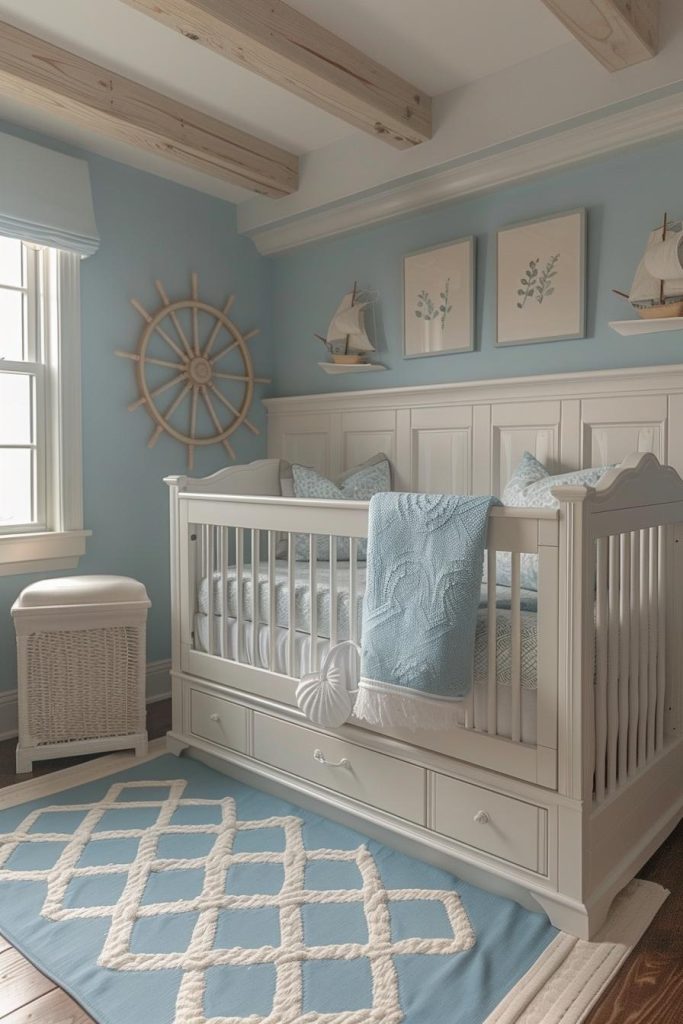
x=569, y=819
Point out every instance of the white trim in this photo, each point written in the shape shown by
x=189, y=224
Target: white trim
x=158, y=688
x=524, y=159
x=63, y=543
x=584, y=383
x=33, y=552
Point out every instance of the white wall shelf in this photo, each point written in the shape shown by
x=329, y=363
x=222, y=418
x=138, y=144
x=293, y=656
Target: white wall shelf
x=631, y=327
x=335, y=368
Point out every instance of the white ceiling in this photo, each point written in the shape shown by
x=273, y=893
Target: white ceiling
x=500, y=69
x=437, y=44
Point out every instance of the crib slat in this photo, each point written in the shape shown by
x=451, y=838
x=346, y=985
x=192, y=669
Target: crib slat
x=223, y=555
x=239, y=573
x=613, y=663
x=291, y=604
x=624, y=650
x=644, y=644
x=653, y=641
x=492, y=691
x=255, y=603
x=353, y=588
x=661, y=640
x=634, y=660
x=313, y=602
x=272, y=603
x=601, y=617
x=209, y=570
x=516, y=625
x=333, y=590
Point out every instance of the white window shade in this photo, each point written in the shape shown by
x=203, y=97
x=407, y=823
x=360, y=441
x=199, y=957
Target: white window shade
x=45, y=197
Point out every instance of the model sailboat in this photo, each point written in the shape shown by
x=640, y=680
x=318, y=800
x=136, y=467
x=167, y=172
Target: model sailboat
x=657, y=289
x=347, y=340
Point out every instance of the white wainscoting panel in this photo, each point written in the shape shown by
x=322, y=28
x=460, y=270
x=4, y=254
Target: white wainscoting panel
x=468, y=437
x=441, y=452
x=366, y=434
x=608, y=437
x=306, y=440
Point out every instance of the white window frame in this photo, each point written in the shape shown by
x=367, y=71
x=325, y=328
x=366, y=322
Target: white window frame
x=58, y=539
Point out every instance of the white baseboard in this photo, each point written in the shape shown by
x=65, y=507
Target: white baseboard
x=158, y=688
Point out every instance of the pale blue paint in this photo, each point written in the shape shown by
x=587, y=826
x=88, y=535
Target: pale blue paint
x=150, y=228
x=625, y=195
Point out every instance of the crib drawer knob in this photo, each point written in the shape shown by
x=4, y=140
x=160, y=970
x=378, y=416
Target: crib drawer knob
x=482, y=818
x=321, y=759
x=214, y=717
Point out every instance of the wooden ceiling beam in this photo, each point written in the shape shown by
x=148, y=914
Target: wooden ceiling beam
x=276, y=42
x=46, y=76
x=618, y=32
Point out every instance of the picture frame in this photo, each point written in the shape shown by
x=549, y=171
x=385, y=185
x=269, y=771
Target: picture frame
x=439, y=299
x=541, y=280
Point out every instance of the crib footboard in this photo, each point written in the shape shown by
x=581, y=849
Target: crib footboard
x=620, y=755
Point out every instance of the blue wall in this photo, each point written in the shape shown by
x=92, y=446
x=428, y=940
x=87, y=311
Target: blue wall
x=625, y=196
x=150, y=228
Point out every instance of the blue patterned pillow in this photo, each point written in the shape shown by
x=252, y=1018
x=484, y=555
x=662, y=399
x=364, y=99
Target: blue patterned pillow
x=357, y=484
x=530, y=486
x=531, y=483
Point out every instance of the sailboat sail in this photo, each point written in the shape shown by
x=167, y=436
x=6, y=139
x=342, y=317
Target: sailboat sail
x=660, y=272
x=348, y=326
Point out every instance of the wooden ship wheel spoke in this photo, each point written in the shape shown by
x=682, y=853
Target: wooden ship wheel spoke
x=198, y=383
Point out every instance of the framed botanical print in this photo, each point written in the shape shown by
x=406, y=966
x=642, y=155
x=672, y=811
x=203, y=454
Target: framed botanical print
x=542, y=280
x=438, y=297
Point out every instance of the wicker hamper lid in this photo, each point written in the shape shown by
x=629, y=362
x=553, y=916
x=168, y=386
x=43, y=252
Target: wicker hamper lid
x=82, y=590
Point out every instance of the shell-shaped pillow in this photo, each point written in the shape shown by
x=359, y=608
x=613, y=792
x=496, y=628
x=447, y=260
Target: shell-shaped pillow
x=324, y=700
x=327, y=697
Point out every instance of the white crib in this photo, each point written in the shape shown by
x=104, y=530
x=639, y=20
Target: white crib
x=567, y=812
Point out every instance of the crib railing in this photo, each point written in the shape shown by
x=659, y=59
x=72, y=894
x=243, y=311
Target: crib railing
x=630, y=677
x=256, y=550
x=620, y=652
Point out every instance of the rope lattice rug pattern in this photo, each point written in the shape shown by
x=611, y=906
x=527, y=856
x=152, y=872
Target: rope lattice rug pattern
x=172, y=894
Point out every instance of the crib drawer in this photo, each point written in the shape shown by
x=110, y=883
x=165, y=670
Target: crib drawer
x=218, y=720
x=511, y=829
x=394, y=786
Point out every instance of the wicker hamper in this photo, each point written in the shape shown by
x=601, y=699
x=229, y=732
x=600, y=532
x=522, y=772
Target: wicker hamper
x=81, y=667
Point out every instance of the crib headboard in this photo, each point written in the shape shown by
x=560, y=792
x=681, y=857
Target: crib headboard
x=467, y=437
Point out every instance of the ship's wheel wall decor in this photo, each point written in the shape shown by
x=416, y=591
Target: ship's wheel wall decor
x=201, y=371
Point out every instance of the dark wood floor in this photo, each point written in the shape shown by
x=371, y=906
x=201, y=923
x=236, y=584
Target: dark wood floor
x=648, y=989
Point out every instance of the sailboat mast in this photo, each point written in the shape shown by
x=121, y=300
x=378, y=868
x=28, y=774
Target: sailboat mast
x=353, y=303
x=661, y=284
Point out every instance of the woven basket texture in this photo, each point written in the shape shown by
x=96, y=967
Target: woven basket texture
x=85, y=684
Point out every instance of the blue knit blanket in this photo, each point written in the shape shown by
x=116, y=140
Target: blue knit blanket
x=424, y=569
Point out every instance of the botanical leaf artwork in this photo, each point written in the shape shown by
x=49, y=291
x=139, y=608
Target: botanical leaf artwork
x=427, y=309
x=444, y=308
x=545, y=286
x=537, y=285
x=438, y=298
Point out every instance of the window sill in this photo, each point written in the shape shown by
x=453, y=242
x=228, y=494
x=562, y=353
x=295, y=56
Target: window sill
x=41, y=552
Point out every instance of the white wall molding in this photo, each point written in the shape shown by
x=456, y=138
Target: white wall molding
x=158, y=689
x=523, y=159
x=634, y=380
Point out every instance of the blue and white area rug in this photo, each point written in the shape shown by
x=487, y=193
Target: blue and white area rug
x=171, y=894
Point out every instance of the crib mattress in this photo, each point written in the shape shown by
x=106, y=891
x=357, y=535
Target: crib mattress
x=302, y=662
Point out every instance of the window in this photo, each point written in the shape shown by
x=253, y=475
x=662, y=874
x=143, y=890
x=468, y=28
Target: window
x=40, y=444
